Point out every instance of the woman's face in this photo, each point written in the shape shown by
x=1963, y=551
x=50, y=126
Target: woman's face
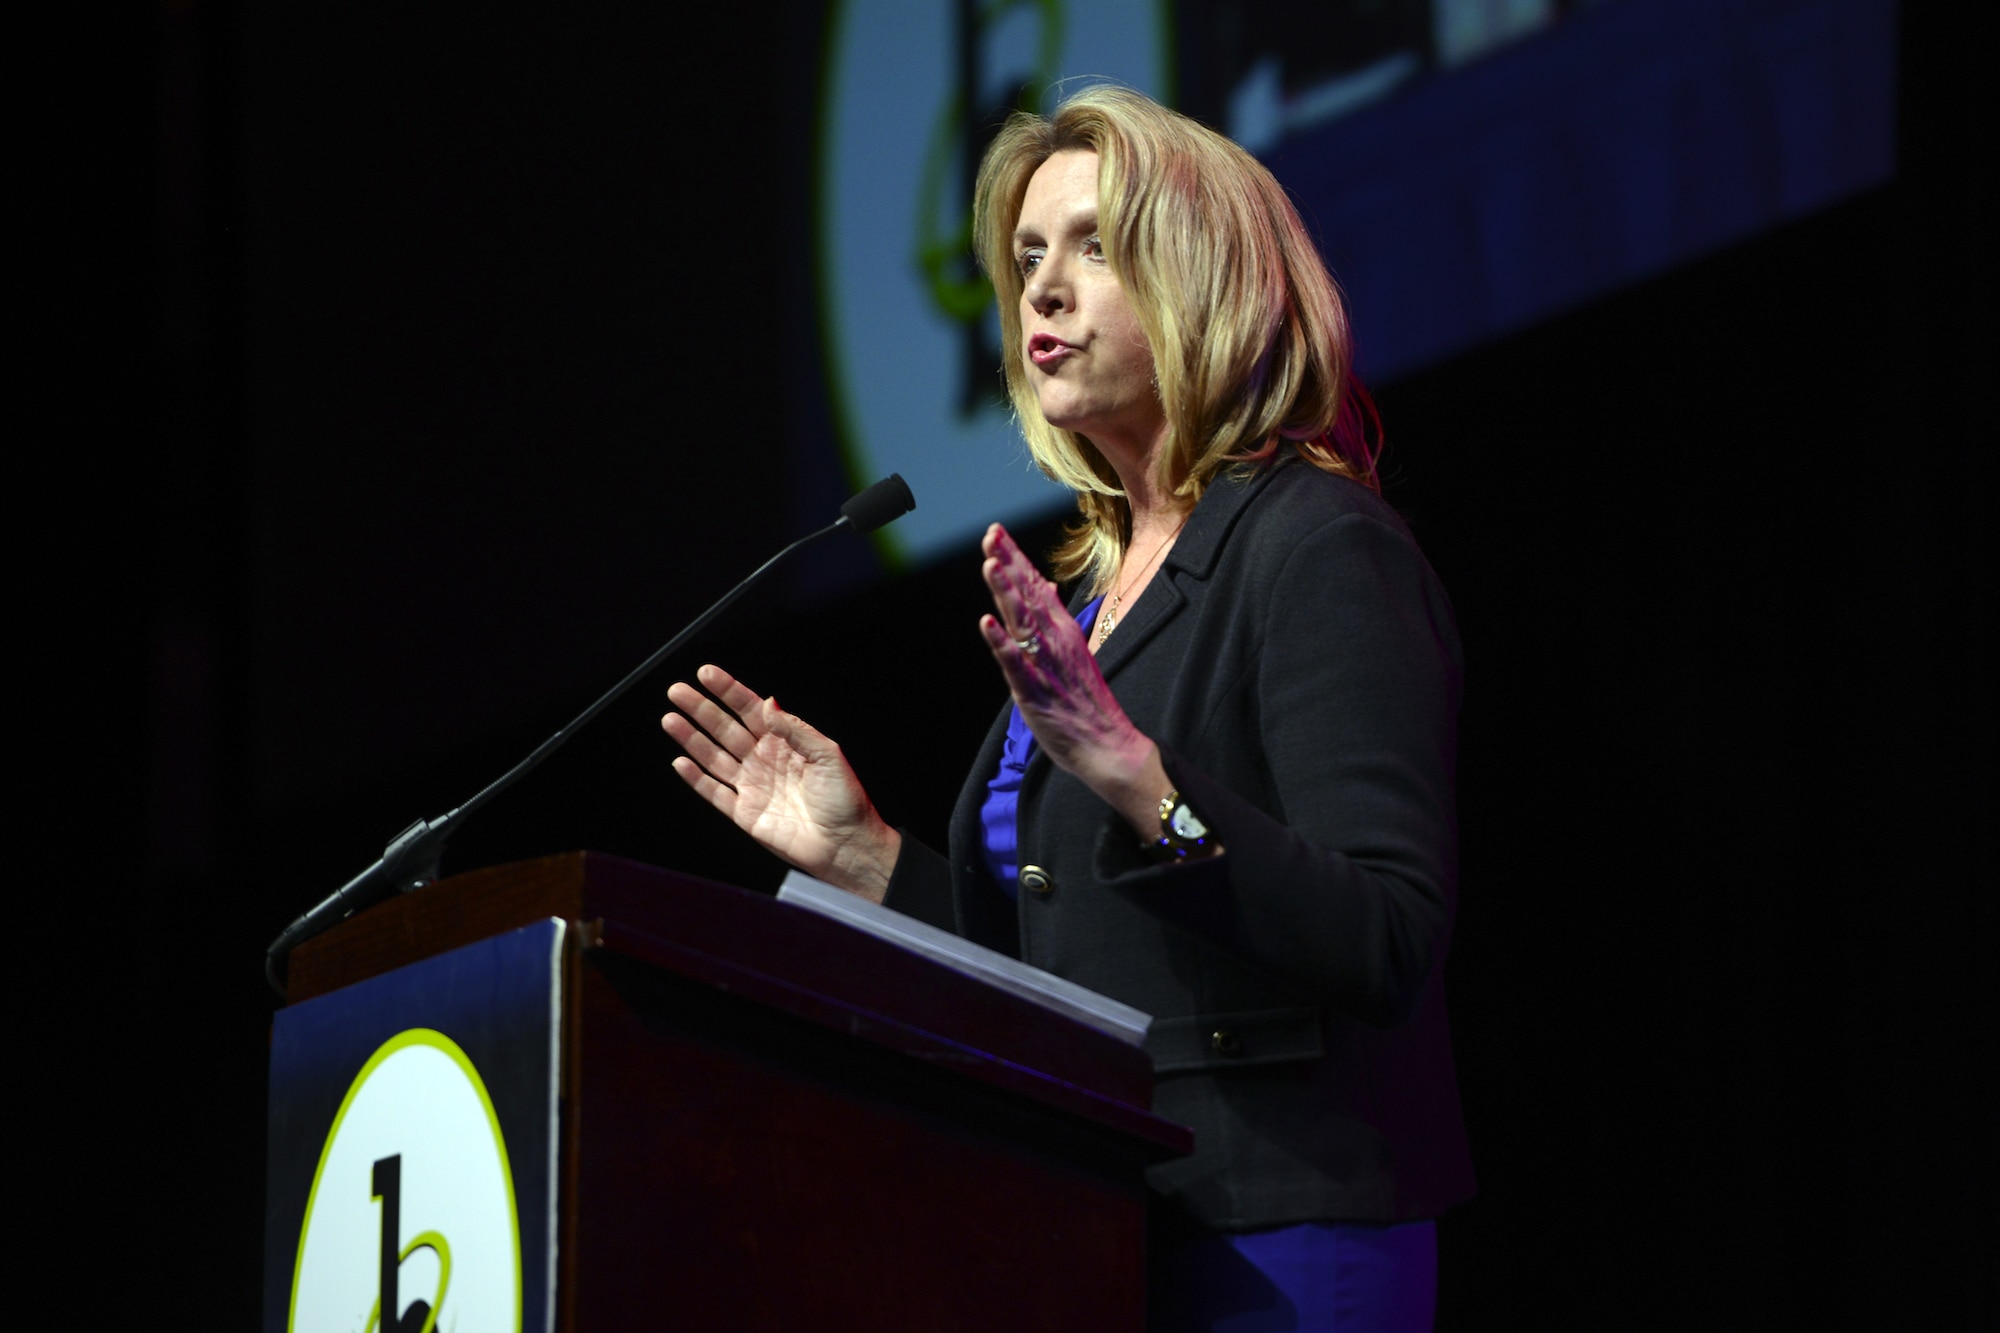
x=1081, y=343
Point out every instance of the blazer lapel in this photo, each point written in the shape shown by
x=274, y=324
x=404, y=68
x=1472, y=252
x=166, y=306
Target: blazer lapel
x=1187, y=565
x=1159, y=604
x=1192, y=558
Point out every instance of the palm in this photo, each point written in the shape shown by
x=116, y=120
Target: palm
x=794, y=803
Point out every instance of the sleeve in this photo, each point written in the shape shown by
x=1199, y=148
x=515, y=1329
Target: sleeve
x=920, y=885
x=1345, y=890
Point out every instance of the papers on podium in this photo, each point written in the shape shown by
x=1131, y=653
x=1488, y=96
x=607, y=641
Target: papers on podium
x=961, y=955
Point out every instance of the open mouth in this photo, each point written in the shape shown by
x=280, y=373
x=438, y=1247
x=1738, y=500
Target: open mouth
x=1046, y=348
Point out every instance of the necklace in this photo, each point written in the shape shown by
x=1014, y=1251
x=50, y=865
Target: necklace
x=1107, y=616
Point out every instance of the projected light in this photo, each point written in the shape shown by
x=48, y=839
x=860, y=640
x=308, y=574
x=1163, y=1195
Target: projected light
x=911, y=98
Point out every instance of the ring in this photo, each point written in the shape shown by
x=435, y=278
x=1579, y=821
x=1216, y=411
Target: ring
x=1030, y=645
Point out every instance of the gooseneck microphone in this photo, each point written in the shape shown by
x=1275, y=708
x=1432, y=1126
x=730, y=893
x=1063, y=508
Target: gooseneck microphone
x=878, y=506
x=411, y=859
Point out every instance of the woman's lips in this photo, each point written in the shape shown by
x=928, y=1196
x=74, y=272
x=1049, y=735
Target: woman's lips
x=1045, y=349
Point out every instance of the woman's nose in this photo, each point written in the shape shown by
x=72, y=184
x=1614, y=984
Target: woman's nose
x=1044, y=292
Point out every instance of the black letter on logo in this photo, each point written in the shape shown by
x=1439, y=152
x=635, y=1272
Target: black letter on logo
x=389, y=1189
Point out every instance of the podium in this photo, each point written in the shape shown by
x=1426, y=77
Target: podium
x=698, y=1107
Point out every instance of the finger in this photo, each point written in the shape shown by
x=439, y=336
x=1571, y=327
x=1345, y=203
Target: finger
x=737, y=697
x=1023, y=675
x=1024, y=573
x=1013, y=597
x=1034, y=611
x=802, y=736
x=1014, y=623
x=711, y=717
x=714, y=678
x=1002, y=552
x=1038, y=598
x=726, y=767
x=1005, y=603
x=1004, y=568
x=718, y=794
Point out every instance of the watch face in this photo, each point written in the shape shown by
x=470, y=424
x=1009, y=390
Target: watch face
x=1184, y=823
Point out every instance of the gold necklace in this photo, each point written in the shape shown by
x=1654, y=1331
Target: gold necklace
x=1107, y=615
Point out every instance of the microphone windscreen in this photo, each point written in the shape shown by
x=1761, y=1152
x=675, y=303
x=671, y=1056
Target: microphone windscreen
x=884, y=502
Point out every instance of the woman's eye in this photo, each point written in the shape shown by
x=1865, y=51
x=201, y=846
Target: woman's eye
x=1028, y=260
x=1094, y=247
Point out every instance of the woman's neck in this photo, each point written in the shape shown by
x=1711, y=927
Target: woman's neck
x=1156, y=518
x=1154, y=509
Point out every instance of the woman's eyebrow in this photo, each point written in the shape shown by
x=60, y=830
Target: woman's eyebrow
x=1078, y=224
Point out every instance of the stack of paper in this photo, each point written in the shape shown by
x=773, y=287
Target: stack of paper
x=941, y=946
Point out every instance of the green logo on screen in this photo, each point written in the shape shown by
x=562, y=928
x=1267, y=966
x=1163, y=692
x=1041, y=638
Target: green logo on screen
x=411, y=1225
x=911, y=96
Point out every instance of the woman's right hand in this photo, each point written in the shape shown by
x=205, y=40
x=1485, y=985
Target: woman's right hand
x=781, y=782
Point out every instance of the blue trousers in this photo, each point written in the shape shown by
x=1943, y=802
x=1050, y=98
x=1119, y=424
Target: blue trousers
x=1317, y=1277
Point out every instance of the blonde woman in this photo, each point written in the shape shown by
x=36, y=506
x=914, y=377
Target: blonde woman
x=1223, y=789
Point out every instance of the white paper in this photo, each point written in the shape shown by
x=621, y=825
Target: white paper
x=961, y=955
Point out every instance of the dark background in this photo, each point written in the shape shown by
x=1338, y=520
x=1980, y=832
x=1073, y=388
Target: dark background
x=409, y=382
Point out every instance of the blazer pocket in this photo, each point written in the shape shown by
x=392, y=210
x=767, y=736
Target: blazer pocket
x=1229, y=1041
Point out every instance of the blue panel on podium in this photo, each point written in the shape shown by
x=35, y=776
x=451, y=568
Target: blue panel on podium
x=412, y=1141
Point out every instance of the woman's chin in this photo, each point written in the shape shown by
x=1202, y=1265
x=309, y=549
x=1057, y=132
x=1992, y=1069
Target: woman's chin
x=1062, y=414
x=1071, y=417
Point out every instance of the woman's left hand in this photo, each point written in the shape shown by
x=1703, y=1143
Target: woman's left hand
x=1055, y=682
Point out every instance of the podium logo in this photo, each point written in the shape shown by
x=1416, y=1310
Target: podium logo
x=411, y=1225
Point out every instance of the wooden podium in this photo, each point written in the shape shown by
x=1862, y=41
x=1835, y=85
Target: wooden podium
x=769, y=1119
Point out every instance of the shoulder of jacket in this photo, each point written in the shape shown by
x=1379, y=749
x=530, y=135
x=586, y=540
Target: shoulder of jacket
x=1246, y=516
x=1297, y=499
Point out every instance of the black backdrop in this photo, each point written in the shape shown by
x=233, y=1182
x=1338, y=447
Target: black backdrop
x=379, y=447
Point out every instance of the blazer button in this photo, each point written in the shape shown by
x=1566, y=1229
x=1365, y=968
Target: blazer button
x=1036, y=880
x=1224, y=1042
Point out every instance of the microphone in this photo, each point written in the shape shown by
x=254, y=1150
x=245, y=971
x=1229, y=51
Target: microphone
x=411, y=859
x=881, y=504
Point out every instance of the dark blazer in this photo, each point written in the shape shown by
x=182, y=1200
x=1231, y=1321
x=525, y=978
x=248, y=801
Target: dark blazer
x=1297, y=662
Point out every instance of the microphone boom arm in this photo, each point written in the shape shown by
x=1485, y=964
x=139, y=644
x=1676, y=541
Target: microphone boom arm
x=411, y=859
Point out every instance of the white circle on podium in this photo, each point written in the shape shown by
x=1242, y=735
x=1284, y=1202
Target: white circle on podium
x=416, y=1142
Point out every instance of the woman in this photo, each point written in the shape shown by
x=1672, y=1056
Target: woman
x=1223, y=792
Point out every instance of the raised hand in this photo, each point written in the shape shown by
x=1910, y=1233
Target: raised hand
x=781, y=782
x=1062, y=695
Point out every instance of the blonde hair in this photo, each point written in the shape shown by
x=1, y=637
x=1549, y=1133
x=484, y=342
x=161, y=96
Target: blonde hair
x=1250, y=341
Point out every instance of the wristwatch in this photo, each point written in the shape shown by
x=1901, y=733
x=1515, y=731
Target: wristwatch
x=1182, y=834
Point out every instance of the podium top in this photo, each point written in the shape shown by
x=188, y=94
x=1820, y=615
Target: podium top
x=770, y=953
